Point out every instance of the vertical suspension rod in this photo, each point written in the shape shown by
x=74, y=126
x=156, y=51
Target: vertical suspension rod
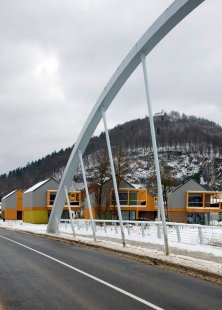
x=113, y=176
x=87, y=195
x=156, y=160
x=70, y=213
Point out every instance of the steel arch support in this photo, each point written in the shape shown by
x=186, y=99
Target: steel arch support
x=160, y=28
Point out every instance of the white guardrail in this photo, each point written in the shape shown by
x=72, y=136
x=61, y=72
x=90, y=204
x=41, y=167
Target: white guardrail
x=150, y=231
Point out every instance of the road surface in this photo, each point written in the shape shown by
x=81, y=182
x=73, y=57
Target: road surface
x=38, y=273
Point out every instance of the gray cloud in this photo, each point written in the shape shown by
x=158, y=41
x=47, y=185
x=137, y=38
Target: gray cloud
x=57, y=56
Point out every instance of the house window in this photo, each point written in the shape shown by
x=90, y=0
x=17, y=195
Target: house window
x=129, y=215
x=123, y=198
x=198, y=218
x=65, y=215
x=74, y=199
x=195, y=200
x=133, y=199
x=52, y=198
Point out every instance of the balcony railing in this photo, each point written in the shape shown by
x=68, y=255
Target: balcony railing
x=131, y=203
x=204, y=205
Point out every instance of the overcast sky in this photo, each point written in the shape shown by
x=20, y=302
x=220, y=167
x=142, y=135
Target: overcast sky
x=56, y=56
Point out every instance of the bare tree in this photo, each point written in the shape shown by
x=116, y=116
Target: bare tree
x=168, y=183
x=101, y=175
x=121, y=164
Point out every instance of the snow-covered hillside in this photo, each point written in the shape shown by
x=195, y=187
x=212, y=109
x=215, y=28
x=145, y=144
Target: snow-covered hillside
x=188, y=147
x=180, y=162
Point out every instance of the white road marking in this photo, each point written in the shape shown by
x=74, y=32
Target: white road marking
x=143, y=301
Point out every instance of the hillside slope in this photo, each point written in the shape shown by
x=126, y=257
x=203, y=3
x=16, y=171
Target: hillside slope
x=188, y=146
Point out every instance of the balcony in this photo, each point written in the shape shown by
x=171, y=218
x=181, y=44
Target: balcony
x=203, y=201
x=133, y=199
x=74, y=199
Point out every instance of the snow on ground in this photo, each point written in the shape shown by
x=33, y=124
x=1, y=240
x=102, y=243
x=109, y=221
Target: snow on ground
x=201, y=257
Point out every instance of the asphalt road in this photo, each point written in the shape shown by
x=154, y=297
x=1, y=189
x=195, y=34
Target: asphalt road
x=38, y=273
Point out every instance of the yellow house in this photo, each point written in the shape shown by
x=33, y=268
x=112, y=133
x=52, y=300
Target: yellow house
x=38, y=202
x=34, y=201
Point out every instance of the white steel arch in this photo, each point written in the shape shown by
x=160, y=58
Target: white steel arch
x=160, y=28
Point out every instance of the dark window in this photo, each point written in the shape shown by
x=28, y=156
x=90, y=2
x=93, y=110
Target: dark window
x=65, y=215
x=195, y=200
x=52, y=198
x=123, y=198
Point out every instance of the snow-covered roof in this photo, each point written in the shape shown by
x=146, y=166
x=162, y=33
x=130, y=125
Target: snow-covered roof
x=159, y=113
x=9, y=194
x=37, y=185
x=137, y=186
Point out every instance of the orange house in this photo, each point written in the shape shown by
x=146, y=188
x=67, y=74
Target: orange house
x=135, y=203
x=12, y=205
x=203, y=206
x=74, y=200
x=192, y=203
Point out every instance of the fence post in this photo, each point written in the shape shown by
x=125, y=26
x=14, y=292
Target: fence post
x=86, y=225
x=142, y=230
x=116, y=230
x=128, y=229
x=178, y=233
x=158, y=232
x=104, y=226
x=78, y=225
x=200, y=234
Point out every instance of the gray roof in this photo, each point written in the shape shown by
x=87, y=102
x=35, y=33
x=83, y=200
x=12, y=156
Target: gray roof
x=39, y=184
x=175, y=189
x=9, y=194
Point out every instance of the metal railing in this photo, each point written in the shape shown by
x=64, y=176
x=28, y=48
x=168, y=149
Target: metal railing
x=130, y=203
x=144, y=231
x=150, y=231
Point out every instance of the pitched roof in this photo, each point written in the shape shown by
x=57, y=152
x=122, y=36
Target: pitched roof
x=39, y=184
x=6, y=196
x=176, y=188
x=122, y=179
x=92, y=187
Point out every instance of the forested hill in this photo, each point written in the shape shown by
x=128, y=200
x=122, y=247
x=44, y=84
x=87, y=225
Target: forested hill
x=172, y=129
x=181, y=133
